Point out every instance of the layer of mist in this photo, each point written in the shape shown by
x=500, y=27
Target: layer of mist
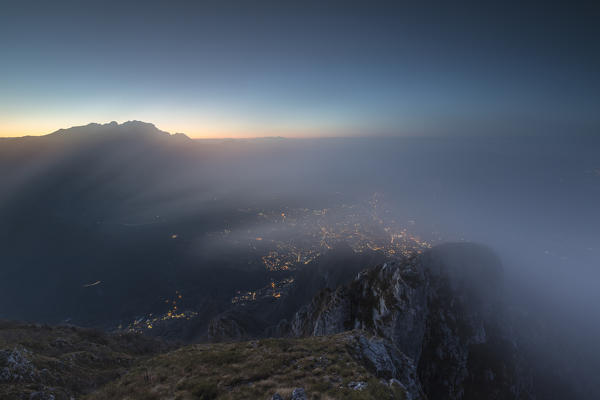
x=102, y=223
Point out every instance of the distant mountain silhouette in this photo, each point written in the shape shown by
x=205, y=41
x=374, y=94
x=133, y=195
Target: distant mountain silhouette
x=129, y=129
x=71, y=203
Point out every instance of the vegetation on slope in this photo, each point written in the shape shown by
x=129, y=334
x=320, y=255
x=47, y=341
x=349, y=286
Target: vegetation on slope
x=62, y=362
x=323, y=366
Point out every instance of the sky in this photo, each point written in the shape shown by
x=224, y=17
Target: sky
x=301, y=69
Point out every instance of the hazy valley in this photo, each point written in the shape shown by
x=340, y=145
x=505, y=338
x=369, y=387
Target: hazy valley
x=131, y=230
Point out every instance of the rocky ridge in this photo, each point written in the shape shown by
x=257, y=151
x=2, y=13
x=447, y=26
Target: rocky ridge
x=441, y=312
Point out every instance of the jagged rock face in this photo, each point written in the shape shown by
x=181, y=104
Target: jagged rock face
x=388, y=362
x=389, y=301
x=442, y=311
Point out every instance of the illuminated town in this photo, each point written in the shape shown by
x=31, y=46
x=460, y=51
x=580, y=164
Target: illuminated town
x=273, y=291
x=150, y=321
x=290, y=239
x=313, y=232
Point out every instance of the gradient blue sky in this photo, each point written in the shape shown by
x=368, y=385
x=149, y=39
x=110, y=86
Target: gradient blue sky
x=260, y=68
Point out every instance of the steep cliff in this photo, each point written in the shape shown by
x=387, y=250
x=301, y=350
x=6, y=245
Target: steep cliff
x=442, y=310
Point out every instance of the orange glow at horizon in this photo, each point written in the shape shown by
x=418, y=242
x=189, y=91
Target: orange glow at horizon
x=209, y=127
x=33, y=129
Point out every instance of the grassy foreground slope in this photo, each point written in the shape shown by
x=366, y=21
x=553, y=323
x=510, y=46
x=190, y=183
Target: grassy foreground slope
x=41, y=362
x=323, y=366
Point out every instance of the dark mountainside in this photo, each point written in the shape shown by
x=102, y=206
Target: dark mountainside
x=89, y=204
x=259, y=319
x=443, y=311
x=433, y=326
x=195, y=271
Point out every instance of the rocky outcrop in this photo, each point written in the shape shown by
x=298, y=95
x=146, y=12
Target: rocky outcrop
x=389, y=301
x=299, y=394
x=16, y=366
x=386, y=361
x=441, y=314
